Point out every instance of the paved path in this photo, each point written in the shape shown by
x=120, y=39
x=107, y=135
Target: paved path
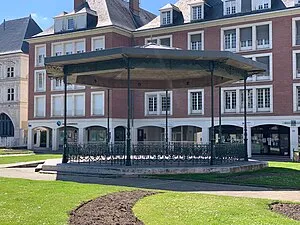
x=169, y=185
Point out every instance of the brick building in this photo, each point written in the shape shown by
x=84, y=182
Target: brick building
x=265, y=31
x=14, y=70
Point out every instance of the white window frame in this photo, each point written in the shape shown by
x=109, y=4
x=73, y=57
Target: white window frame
x=250, y=110
x=103, y=104
x=296, y=75
x=237, y=7
x=35, y=108
x=191, y=11
x=294, y=30
x=162, y=12
x=73, y=110
x=254, y=41
x=69, y=87
x=296, y=109
x=189, y=47
x=231, y=110
x=159, y=109
x=36, y=72
x=70, y=19
x=63, y=43
x=37, y=64
x=158, y=38
x=14, y=94
x=257, y=3
x=255, y=78
x=10, y=73
x=262, y=110
x=238, y=102
x=97, y=38
x=190, y=110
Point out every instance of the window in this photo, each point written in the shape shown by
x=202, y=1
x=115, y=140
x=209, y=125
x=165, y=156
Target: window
x=39, y=106
x=195, y=101
x=260, y=4
x=157, y=103
x=68, y=48
x=10, y=94
x=230, y=40
x=57, y=106
x=40, y=81
x=75, y=105
x=165, y=104
x=263, y=99
x=296, y=64
x=79, y=47
x=249, y=100
x=246, y=38
x=98, y=43
x=297, y=32
x=195, y=41
x=6, y=126
x=164, y=40
x=230, y=7
x=265, y=60
x=230, y=101
x=40, y=53
x=152, y=104
x=298, y=98
x=166, y=18
x=97, y=104
x=262, y=37
x=197, y=12
x=10, y=72
x=57, y=50
x=57, y=85
x=71, y=25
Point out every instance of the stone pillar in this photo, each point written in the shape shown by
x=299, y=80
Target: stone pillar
x=249, y=144
x=112, y=135
x=205, y=135
x=30, y=138
x=170, y=134
x=293, y=140
x=48, y=138
x=55, y=144
x=134, y=135
x=38, y=138
x=81, y=136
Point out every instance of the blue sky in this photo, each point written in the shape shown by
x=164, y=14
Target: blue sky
x=44, y=10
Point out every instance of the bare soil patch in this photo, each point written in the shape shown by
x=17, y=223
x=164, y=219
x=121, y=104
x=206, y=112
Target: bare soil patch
x=290, y=210
x=113, y=209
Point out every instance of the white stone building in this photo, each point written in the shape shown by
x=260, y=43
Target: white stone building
x=14, y=70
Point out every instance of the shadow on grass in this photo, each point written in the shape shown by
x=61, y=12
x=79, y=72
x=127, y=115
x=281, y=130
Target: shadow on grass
x=262, y=180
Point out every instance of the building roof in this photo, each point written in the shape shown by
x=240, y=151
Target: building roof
x=213, y=10
x=13, y=33
x=113, y=13
x=153, y=68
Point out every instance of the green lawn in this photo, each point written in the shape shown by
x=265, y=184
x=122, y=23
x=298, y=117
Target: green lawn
x=13, y=152
x=26, y=158
x=25, y=202
x=278, y=175
x=196, y=209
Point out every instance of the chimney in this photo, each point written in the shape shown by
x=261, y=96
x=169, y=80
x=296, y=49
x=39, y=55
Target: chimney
x=134, y=6
x=78, y=4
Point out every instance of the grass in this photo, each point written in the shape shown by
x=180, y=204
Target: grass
x=14, y=152
x=196, y=209
x=26, y=158
x=277, y=175
x=25, y=202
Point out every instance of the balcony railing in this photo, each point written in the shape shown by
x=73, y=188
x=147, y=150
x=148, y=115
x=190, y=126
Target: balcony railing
x=246, y=45
x=147, y=154
x=263, y=43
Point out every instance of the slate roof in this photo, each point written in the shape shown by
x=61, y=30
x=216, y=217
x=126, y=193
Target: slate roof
x=113, y=13
x=13, y=33
x=213, y=10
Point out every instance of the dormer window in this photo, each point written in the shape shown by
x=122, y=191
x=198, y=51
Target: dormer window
x=166, y=18
x=197, y=13
x=261, y=4
x=232, y=7
x=71, y=24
